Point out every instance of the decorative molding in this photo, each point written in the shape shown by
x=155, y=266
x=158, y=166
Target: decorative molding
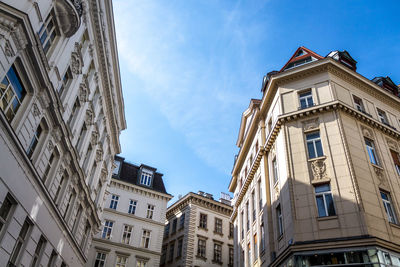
x=44, y=99
x=76, y=60
x=38, y=13
x=83, y=92
x=50, y=145
x=99, y=155
x=318, y=169
x=310, y=125
x=380, y=175
x=367, y=132
x=392, y=144
x=35, y=110
x=93, y=138
x=56, y=134
x=8, y=50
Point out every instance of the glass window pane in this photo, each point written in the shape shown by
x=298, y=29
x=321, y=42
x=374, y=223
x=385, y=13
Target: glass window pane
x=311, y=152
x=321, y=206
x=322, y=188
x=329, y=204
x=318, y=145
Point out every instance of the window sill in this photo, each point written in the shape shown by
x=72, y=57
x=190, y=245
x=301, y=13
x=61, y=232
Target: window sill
x=217, y=262
x=327, y=218
x=201, y=228
x=317, y=158
x=376, y=166
x=201, y=257
x=395, y=225
x=218, y=233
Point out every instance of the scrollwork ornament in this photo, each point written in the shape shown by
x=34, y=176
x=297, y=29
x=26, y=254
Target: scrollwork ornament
x=35, y=110
x=318, y=168
x=50, y=145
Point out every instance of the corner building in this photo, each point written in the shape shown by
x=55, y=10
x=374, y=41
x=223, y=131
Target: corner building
x=61, y=113
x=316, y=180
x=133, y=218
x=198, y=232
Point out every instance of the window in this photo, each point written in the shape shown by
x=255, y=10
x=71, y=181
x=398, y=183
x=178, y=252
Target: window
x=163, y=254
x=60, y=185
x=145, y=179
x=306, y=99
x=180, y=247
x=259, y=195
x=53, y=258
x=218, y=226
x=201, y=248
x=6, y=210
x=34, y=141
x=314, y=145
x=107, y=229
x=359, y=104
x=126, y=235
x=141, y=263
x=12, y=92
x=150, y=210
x=324, y=200
x=253, y=202
x=48, y=167
x=121, y=261
x=15, y=255
x=77, y=218
x=100, y=260
x=396, y=160
x=145, y=239
x=371, y=151
x=382, y=116
x=132, y=206
x=280, y=220
x=182, y=221
x=116, y=169
x=247, y=216
x=230, y=263
x=81, y=135
x=74, y=111
x=262, y=241
x=217, y=252
x=255, y=246
x=166, y=230
x=114, y=202
x=203, y=221
x=48, y=33
x=230, y=230
x=38, y=251
x=387, y=203
x=249, y=254
x=242, y=224
x=66, y=80
x=174, y=224
x=171, y=251
x=275, y=170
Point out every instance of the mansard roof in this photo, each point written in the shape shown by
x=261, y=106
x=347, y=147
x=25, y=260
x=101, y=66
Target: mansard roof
x=387, y=84
x=130, y=173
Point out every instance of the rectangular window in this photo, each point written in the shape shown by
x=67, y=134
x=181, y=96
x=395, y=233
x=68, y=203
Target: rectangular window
x=182, y=221
x=38, y=251
x=259, y=196
x=201, y=248
x=6, y=210
x=145, y=239
x=85, y=235
x=174, y=224
x=262, y=241
x=314, y=145
x=371, y=151
x=107, y=229
x=387, y=203
x=23, y=234
x=306, y=99
x=166, y=230
x=230, y=263
x=171, y=251
x=231, y=230
x=275, y=170
x=12, y=93
x=247, y=216
x=253, y=203
x=121, y=261
x=249, y=254
x=100, y=259
x=218, y=226
x=48, y=33
x=180, y=247
x=382, y=116
x=163, y=254
x=53, y=258
x=242, y=224
x=132, y=206
x=255, y=246
x=66, y=80
x=114, y=202
x=141, y=263
x=324, y=200
x=126, y=235
x=150, y=211
x=74, y=112
x=396, y=160
x=34, y=141
x=217, y=253
x=280, y=220
x=359, y=104
x=203, y=221
x=145, y=179
x=48, y=167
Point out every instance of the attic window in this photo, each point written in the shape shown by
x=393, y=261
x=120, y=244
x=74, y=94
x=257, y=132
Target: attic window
x=146, y=178
x=116, y=169
x=299, y=62
x=300, y=53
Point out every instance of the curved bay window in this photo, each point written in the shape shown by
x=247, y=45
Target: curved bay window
x=12, y=93
x=48, y=32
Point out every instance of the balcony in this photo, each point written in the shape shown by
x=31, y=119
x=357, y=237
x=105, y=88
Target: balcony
x=69, y=13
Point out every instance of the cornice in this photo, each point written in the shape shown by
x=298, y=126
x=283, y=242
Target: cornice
x=138, y=189
x=192, y=198
x=131, y=216
x=107, y=243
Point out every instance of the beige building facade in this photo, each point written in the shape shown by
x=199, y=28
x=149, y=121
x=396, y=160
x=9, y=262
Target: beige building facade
x=316, y=180
x=61, y=113
x=198, y=232
x=133, y=218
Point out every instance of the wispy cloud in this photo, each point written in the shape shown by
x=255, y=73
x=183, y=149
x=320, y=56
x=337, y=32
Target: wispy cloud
x=195, y=78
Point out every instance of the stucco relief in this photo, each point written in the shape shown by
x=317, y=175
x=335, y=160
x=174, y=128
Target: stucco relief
x=392, y=144
x=83, y=93
x=367, y=132
x=380, y=174
x=318, y=168
x=8, y=50
x=76, y=60
x=309, y=125
x=35, y=110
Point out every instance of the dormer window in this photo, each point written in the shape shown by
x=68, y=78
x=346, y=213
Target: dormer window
x=146, y=178
x=116, y=169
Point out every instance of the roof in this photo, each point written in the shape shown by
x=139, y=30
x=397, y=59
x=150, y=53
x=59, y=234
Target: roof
x=130, y=173
x=301, y=54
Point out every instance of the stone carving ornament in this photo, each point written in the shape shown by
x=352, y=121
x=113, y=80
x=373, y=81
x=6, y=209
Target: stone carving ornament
x=83, y=93
x=318, y=168
x=76, y=60
x=367, y=132
x=35, y=110
x=310, y=124
x=392, y=144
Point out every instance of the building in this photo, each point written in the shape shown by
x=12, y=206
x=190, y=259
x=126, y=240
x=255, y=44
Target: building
x=316, y=180
x=61, y=113
x=133, y=218
x=198, y=232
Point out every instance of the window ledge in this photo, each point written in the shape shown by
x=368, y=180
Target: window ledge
x=202, y=228
x=218, y=233
x=327, y=218
x=320, y=181
x=377, y=166
x=217, y=262
x=201, y=257
x=317, y=158
x=394, y=225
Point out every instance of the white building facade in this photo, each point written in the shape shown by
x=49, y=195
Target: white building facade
x=133, y=218
x=198, y=232
x=61, y=113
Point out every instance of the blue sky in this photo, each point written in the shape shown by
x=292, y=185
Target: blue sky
x=189, y=69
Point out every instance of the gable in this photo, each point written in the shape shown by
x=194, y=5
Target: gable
x=300, y=57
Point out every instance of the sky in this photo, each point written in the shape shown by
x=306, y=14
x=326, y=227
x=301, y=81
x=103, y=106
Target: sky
x=190, y=67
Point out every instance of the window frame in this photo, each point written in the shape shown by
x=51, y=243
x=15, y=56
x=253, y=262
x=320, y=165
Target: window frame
x=5, y=221
x=145, y=240
x=382, y=116
x=314, y=141
x=107, y=229
x=217, y=255
x=21, y=242
x=389, y=208
x=202, y=247
x=371, y=151
x=120, y=258
x=324, y=195
x=126, y=235
x=132, y=206
x=100, y=261
x=306, y=95
x=279, y=218
x=150, y=211
x=359, y=106
x=48, y=39
x=114, y=201
x=203, y=221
